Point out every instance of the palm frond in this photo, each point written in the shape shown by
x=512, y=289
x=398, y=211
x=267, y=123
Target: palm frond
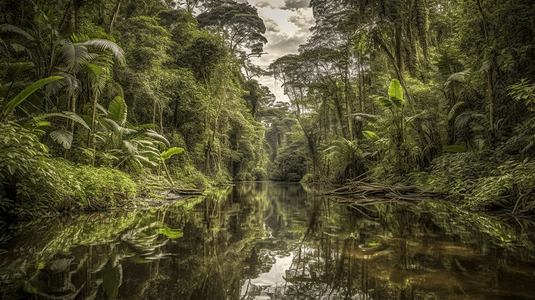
x=130, y=147
x=456, y=110
x=14, y=29
x=70, y=84
x=156, y=136
x=68, y=115
x=117, y=110
x=458, y=77
x=73, y=57
x=106, y=45
x=63, y=137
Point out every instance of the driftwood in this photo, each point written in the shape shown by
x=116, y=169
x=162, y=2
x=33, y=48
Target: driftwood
x=177, y=194
x=362, y=196
x=192, y=192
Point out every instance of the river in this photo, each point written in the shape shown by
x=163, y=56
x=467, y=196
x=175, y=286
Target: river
x=267, y=240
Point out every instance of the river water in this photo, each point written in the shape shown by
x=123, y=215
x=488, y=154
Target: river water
x=268, y=240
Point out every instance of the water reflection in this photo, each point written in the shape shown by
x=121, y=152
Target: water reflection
x=270, y=241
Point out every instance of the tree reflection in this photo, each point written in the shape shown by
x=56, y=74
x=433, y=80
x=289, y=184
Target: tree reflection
x=269, y=241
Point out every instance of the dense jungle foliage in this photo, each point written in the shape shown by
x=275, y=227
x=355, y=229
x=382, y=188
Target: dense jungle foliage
x=97, y=97
x=95, y=93
x=436, y=93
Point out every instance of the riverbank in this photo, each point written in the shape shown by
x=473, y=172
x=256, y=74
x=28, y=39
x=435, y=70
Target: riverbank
x=475, y=181
x=46, y=187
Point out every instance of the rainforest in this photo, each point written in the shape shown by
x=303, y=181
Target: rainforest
x=384, y=151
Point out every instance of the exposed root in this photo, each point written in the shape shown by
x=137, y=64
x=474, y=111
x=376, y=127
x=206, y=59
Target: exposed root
x=362, y=196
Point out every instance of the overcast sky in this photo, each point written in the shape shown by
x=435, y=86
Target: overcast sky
x=287, y=27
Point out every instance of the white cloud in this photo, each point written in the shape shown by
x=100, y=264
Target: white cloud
x=287, y=27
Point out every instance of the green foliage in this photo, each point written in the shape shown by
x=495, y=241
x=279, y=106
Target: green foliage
x=167, y=82
x=117, y=110
x=170, y=152
x=243, y=27
x=26, y=171
x=24, y=94
x=346, y=160
x=103, y=187
x=395, y=92
x=371, y=135
x=36, y=183
x=62, y=137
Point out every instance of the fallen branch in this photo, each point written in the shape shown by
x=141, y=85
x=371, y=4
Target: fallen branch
x=187, y=192
x=359, y=195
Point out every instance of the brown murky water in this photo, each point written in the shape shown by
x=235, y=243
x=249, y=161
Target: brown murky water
x=270, y=241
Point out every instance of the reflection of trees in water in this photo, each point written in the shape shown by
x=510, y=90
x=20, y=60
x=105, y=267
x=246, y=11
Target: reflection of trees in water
x=215, y=250
x=201, y=253
x=405, y=254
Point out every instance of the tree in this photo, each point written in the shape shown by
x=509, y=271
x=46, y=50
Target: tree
x=240, y=25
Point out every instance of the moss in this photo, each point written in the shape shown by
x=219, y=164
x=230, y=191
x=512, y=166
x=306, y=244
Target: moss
x=106, y=186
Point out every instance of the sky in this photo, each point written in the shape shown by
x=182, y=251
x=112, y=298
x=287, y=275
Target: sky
x=287, y=26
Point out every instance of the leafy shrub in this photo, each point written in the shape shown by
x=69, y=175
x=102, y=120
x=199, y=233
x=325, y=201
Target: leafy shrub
x=27, y=174
x=508, y=180
x=33, y=182
x=104, y=186
x=190, y=176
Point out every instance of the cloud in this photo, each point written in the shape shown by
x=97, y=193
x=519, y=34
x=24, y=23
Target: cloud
x=295, y=4
x=287, y=26
x=271, y=25
x=264, y=4
x=302, y=19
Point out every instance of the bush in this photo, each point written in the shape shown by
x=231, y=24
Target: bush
x=32, y=183
x=104, y=186
x=190, y=176
x=27, y=174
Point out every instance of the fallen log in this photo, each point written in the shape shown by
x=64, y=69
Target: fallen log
x=187, y=192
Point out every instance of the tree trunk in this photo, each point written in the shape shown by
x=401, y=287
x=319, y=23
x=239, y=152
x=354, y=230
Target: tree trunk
x=349, y=106
x=114, y=16
x=93, y=128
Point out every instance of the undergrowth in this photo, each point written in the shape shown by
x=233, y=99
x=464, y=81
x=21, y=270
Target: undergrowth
x=476, y=180
x=32, y=183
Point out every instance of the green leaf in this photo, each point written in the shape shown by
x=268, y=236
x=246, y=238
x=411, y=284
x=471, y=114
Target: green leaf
x=396, y=92
x=41, y=124
x=168, y=232
x=63, y=137
x=170, y=152
x=111, y=281
x=158, y=137
x=27, y=92
x=106, y=45
x=455, y=148
x=68, y=115
x=371, y=135
x=117, y=110
x=384, y=101
x=17, y=30
x=456, y=110
x=397, y=102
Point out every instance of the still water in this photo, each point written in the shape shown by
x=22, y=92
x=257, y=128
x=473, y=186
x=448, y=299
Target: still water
x=270, y=241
